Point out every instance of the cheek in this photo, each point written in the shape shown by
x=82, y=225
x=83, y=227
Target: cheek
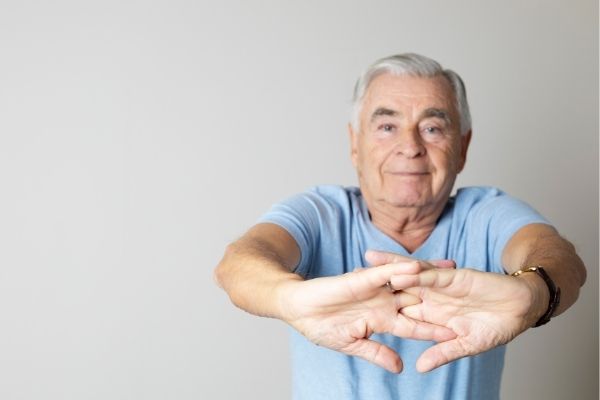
x=453, y=155
x=372, y=156
x=363, y=161
x=457, y=157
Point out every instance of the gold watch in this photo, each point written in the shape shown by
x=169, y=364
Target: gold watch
x=554, y=292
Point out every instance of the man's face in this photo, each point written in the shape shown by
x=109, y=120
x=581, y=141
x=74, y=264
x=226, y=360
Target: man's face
x=409, y=148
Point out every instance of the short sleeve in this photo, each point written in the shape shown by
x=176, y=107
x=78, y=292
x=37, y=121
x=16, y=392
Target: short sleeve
x=300, y=215
x=502, y=216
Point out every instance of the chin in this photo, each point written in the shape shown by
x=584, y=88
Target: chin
x=409, y=204
x=409, y=200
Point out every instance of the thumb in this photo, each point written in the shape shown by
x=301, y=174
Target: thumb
x=377, y=353
x=442, y=353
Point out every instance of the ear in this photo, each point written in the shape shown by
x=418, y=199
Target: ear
x=465, y=140
x=353, y=136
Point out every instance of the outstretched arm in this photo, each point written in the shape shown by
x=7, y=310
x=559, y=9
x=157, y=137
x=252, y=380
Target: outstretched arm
x=339, y=312
x=486, y=310
x=256, y=269
x=541, y=245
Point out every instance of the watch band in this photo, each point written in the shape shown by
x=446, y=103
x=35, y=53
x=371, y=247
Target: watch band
x=553, y=289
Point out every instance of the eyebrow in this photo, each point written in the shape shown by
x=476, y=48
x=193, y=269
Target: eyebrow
x=428, y=113
x=437, y=113
x=380, y=111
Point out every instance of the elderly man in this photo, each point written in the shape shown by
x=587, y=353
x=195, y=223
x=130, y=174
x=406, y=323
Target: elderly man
x=399, y=268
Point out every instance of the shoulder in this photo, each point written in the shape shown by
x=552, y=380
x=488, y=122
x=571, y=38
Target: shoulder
x=335, y=194
x=321, y=202
x=476, y=194
x=329, y=197
x=491, y=202
x=482, y=197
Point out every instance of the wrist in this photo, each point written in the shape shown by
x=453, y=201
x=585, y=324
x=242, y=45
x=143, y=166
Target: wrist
x=285, y=291
x=540, y=296
x=550, y=296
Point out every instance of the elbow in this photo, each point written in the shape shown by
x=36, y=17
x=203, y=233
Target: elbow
x=580, y=271
x=582, y=274
x=220, y=272
x=218, y=275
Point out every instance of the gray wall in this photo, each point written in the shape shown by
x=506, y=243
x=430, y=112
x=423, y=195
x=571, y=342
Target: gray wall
x=137, y=138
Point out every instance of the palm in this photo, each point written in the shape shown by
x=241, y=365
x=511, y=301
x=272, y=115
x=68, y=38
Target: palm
x=342, y=312
x=483, y=309
x=350, y=309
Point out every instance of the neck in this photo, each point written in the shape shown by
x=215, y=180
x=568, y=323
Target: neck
x=409, y=226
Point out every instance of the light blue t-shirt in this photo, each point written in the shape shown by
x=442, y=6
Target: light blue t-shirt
x=332, y=227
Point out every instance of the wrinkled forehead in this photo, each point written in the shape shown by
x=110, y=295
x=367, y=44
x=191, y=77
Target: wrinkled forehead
x=389, y=87
x=406, y=95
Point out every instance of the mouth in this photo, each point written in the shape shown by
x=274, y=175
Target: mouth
x=409, y=173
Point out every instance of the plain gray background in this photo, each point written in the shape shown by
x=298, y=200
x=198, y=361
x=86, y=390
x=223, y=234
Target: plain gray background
x=138, y=138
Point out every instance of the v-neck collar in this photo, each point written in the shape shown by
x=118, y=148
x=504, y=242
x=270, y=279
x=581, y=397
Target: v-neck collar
x=395, y=247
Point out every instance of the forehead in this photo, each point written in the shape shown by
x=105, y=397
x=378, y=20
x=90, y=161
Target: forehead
x=409, y=91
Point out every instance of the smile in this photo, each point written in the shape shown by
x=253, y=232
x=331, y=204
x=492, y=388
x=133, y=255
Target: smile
x=409, y=173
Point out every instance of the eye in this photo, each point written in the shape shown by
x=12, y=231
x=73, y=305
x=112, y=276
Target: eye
x=432, y=130
x=386, y=128
x=432, y=133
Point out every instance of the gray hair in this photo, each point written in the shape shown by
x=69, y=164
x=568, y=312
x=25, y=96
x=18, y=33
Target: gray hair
x=413, y=65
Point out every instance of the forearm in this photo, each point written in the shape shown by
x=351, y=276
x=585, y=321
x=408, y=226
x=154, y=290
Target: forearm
x=540, y=245
x=336, y=312
x=255, y=276
x=560, y=261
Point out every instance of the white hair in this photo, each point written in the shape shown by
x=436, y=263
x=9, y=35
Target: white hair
x=413, y=65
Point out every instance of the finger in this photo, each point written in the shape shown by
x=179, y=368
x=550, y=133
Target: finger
x=401, y=282
x=414, y=311
x=414, y=291
x=418, y=312
x=432, y=264
x=382, y=275
x=376, y=257
x=376, y=353
x=432, y=278
x=442, y=353
x=403, y=299
x=443, y=263
x=419, y=330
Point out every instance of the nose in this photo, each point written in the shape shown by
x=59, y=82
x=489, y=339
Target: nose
x=410, y=143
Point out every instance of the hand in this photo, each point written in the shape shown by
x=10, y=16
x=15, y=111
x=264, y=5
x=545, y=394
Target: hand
x=484, y=309
x=342, y=312
x=378, y=258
